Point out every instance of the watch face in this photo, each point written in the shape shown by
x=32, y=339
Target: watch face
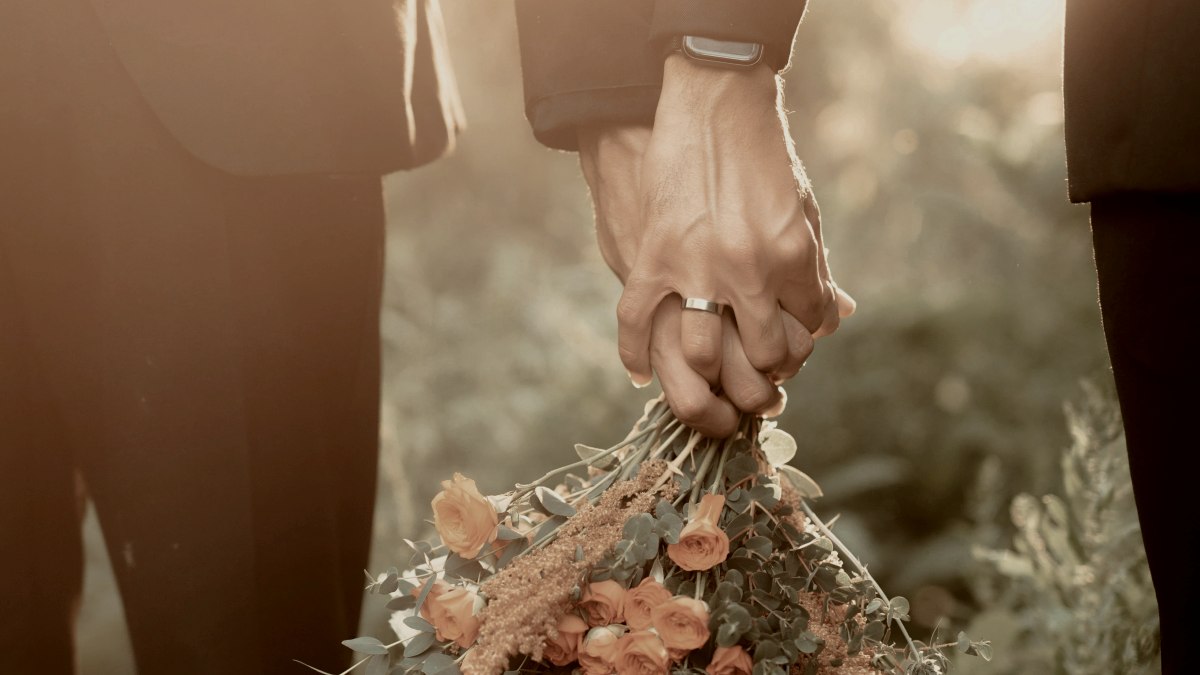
x=735, y=53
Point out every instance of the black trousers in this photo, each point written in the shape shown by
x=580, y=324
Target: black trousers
x=1146, y=247
x=197, y=353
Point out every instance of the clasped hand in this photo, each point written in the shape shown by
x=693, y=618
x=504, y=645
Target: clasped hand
x=712, y=203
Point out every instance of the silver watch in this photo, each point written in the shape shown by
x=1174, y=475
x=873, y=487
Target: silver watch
x=719, y=52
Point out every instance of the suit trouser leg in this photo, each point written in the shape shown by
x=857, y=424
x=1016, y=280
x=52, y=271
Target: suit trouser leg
x=203, y=349
x=216, y=367
x=1149, y=280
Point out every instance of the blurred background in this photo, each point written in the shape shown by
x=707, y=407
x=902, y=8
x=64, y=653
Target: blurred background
x=932, y=130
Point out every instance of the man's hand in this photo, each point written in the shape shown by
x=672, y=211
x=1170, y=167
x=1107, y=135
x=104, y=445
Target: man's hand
x=611, y=159
x=726, y=215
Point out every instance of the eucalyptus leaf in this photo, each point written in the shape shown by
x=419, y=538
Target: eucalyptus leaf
x=982, y=649
x=366, y=645
x=505, y=533
x=419, y=644
x=438, y=662
x=809, y=643
x=596, y=457
x=419, y=624
x=778, y=446
x=551, y=503
x=425, y=591
x=402, y=602
x=668, y=527
x=740, y=468
x=378, y=665
x=804, y=486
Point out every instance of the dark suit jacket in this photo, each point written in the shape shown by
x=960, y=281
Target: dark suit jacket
x=1132, y=86
x=1132, y=75
x=261, y=87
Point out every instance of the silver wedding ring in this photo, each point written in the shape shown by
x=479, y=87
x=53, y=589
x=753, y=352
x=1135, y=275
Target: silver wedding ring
x=704, y=305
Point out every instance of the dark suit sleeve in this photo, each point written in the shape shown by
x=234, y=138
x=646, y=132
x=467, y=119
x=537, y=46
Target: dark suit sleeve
x=588, y=62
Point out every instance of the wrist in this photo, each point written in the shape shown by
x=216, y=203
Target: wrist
x=692, y=86
x=609, y=139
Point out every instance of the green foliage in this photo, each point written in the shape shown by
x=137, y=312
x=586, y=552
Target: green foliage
x=1075, y=584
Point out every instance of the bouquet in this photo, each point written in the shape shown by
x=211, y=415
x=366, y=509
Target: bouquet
x=668, y=552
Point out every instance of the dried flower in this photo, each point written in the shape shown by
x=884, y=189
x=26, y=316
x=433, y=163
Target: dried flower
x=682, y=623
x=464, y=518
x=603, y=603
x=702, y=544
x=641, y=600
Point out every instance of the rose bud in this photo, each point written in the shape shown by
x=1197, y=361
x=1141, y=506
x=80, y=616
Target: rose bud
x=464, y=518
x=702, y=544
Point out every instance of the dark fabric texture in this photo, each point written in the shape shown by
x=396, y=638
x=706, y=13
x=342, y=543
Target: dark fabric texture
x=586, y=62
x=274, y=87
x=198, y=353
x=1145, y=248
x=589, y=63
x=771, y=23
x=1132, y=88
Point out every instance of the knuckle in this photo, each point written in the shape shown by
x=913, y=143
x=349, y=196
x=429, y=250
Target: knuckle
x=768, y=356
x=629, y=356
x=754, y=398
x=690, y=409
x=628, y=310
x=701, y=351
x=793, y=248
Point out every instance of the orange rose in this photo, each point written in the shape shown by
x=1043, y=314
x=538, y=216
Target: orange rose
x=730, y=661
x=702, y=545
x=439, y=587
x=603, y=603
x=641, y=600
x=682, y=623
x=599, y=650
x=564, y=647
x=463, y=517
x=452, y=613
x=641, y=653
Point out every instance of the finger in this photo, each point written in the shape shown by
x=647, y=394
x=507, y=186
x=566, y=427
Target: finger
x=700, y=339
x=806, y=300
x=800, y=347
x=832, y=319
x=761, y=329
x=846, y=303
x=747, y=388
x=635, y=312
x=689, y=395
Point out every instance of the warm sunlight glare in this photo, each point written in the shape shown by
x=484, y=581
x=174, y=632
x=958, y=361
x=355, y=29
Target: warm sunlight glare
x=1009, y=31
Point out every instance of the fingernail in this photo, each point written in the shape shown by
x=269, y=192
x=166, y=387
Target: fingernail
x=636, y=384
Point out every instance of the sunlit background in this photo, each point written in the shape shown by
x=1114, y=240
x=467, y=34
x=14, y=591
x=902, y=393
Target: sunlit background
x=933, y=132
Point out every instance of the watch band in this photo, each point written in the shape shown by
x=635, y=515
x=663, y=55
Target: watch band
x=718, y=52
